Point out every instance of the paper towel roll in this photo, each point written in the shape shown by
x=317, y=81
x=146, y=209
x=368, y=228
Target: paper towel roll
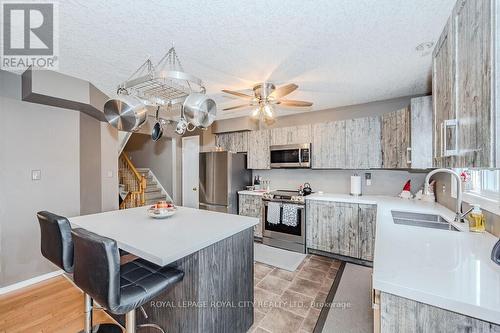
x=355, y=185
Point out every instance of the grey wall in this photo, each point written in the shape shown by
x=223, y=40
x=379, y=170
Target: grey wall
x=384, y=182
x=443, y=196
x=157, y=156
x=90, y=165
x=34, y=137
x=74, y=155
x=340, y=113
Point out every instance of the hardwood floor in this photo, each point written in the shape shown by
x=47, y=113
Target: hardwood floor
x=51, y=306
x=284, y=301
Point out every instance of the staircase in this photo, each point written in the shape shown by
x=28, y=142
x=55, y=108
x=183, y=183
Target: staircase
x=153, y=192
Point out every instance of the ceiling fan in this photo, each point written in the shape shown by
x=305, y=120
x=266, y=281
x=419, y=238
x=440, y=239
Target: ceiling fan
x=266, y=97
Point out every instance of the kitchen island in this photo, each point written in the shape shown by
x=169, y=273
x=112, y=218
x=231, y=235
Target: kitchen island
x=214, y=250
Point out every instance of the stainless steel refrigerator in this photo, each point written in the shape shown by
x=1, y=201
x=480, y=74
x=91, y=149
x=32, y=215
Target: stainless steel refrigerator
x=222, y=175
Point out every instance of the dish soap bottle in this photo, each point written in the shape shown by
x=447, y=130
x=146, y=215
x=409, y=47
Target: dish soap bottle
x=476, y=219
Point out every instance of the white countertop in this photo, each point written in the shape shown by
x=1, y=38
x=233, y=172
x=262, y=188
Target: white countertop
x=448, y=269
x=163, y=241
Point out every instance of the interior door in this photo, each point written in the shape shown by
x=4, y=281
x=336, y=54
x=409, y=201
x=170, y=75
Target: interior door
x=190, y=171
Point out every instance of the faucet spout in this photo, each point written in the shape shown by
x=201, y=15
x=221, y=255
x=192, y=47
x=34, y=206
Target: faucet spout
x=459, y=217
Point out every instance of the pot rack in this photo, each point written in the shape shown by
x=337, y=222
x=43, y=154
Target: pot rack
x=163, y=84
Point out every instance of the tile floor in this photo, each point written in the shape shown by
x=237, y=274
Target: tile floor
x=291, y=301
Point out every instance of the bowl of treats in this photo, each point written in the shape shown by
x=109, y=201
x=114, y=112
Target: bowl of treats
x=161, y=210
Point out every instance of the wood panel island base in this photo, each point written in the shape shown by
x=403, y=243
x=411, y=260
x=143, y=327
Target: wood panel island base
x=216, y=294
x=214, y=250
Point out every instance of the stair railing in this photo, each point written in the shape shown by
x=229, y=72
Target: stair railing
x=135, y=183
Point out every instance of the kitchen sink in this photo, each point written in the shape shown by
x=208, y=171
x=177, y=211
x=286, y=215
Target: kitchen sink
x=422, y=220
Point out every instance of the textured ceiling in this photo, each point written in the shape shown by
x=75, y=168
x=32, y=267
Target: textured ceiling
x=339, y=52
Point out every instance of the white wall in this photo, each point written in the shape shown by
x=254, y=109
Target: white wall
x=384, y=182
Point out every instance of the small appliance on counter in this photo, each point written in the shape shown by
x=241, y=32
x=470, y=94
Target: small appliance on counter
x=495, y=254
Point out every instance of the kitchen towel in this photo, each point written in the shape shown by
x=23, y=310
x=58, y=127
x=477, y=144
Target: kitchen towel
x=273, y=212
x=290, y=215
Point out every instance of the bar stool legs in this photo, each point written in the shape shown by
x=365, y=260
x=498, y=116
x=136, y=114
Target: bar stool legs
x=131, y=324
x=100, y=328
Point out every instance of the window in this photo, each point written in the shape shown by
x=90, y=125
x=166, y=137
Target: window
x=483, y=188
x=485, y=183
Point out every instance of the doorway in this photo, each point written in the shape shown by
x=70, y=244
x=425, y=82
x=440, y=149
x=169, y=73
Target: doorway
x=190, y=171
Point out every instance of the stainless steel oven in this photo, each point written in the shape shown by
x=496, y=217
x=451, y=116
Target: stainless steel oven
x=282, y=235
x=291, y=156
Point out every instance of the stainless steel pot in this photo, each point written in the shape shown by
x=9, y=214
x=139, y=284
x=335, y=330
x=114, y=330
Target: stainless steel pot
x=126, y=113
x=199, y=110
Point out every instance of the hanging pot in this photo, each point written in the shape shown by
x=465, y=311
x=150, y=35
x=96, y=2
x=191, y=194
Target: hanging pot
x=157, y=132
x=126, y=113
x=199, y=110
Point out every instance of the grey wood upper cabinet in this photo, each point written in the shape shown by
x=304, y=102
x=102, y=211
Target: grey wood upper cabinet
x=328, y=145
x=473, y=21
x=235, y=141
x=400, y=314
x=291, y=135
x=396, y=139
x=341, y=228
x=465, y=88
x=363, y=143
x=251, y=205
x=421, y=132
x=259, y=155
x=367, y=217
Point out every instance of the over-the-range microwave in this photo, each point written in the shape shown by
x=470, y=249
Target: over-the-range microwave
x=291, y=156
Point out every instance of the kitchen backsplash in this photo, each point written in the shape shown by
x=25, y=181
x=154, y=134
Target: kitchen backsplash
x=384, y=182
x=445, y=199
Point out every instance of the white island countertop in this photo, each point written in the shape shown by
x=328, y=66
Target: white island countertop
x=163, y=241
x=448, y=269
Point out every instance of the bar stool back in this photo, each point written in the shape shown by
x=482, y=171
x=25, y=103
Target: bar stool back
x=57, y=246
x=121, y=290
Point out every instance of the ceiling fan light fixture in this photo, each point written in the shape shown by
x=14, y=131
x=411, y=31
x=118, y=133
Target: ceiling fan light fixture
x=268, y=111
x=256, y=112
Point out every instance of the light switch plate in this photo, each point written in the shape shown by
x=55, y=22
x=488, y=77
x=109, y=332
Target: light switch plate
x=36, y=175
x=109, y=174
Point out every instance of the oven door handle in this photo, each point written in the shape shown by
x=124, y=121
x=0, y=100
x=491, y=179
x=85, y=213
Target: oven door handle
x=300, y=156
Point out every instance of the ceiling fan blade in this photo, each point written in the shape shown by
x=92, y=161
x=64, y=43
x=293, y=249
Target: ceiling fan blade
x=236, y=107
x=284, y=90
x=240, y=95
x=289, y=102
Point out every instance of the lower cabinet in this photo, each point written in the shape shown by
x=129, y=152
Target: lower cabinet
x=398, y=314
x=341, y=228
x=251, y=205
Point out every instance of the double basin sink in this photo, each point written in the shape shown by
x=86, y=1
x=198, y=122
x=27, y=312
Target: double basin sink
x=422, y=220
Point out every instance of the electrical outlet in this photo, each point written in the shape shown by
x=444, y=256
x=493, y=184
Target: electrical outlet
x=444, y=188
x=36, y=175
x=368, y=178
x=109, y=174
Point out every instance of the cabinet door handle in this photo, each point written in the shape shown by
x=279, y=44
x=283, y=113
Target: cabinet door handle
x=442, y=139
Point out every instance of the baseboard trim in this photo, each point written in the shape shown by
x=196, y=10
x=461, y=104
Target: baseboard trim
x=29, y=282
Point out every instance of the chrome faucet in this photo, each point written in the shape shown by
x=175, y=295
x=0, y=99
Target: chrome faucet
x=459, y=217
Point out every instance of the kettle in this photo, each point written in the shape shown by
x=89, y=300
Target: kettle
x=495, y=254
x=307, y=189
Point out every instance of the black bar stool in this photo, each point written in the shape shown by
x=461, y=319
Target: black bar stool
x=121, y=290
x=57, y=246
